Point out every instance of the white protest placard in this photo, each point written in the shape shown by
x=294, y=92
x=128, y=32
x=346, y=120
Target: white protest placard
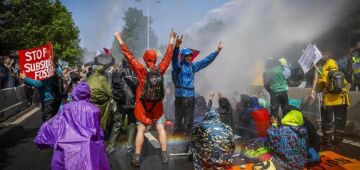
x=309, y=58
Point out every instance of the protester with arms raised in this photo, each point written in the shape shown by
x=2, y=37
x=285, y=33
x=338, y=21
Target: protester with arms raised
x=148, y=112
x=183, y=75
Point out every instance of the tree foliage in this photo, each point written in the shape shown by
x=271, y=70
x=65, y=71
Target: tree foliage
x=134, y=33
x=25, y=24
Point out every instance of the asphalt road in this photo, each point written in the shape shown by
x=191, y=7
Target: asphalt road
x=18, y=151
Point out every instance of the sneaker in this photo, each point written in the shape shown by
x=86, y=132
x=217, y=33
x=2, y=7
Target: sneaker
x=164, y=157
x=136, y=160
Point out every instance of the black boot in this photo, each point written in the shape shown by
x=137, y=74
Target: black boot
x=327, y=138
x=131, y=132
x=338, y=137
x=164, y=157
x=115, y=132
x=136, y=160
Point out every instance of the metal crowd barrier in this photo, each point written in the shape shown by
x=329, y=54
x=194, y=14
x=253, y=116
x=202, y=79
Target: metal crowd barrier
x=12, y=101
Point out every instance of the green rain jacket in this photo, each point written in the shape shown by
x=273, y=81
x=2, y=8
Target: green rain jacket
x=101, y=94
x=274, y=80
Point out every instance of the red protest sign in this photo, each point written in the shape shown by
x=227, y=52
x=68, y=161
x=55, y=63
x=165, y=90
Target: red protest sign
x=37, y=63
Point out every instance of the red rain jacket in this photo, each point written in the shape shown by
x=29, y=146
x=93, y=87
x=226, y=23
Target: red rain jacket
x=261, y=117
x=140, y=71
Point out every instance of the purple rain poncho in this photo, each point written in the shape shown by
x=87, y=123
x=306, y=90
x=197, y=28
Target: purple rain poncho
x=75, y=135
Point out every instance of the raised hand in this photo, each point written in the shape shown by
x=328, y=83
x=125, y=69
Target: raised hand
x=117, y=35
x=273, y=120
x=313, y=94
x=178, y=41
x=22, y=75
x=220, y=94
x=172, y=35
x=211, y=96
x=220, y=47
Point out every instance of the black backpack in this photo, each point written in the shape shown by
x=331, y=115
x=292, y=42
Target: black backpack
x=124, y=86
x=337, y=81
x=154, y=86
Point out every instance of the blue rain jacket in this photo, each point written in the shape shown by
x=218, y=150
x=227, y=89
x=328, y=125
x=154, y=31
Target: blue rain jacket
x=183, y=73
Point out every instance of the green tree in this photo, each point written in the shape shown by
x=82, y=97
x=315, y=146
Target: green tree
x=25, y=24
x=134, y=33
x=64, y=35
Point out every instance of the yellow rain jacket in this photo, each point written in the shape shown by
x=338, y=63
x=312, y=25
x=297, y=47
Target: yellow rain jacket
x=331, y=99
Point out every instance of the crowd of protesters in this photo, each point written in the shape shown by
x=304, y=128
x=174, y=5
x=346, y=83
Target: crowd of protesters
x=92, y=103
x=9, y=72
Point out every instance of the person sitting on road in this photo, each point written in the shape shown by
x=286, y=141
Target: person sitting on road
x=201, y=108
x=256, y=118
x=212, y=143
x=225, y=110
x=289, y=141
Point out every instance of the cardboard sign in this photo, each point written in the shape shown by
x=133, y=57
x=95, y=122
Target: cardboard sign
x=37, y=63
x=309, y=58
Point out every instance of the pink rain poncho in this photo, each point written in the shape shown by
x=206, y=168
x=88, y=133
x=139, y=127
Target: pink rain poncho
x=75, y=135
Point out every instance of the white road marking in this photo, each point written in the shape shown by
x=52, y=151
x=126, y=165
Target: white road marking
x=154, y=142
x=347, y=141
x=25, y=116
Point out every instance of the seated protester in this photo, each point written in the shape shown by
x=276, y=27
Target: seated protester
x=289, y=141
x=313, y=143
x=242, y=106
x=201, y=108
x=313, y=138
x=240, y=109
x=257, y=118
x=212, y=143
x=225, y=110
x=75, y=135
